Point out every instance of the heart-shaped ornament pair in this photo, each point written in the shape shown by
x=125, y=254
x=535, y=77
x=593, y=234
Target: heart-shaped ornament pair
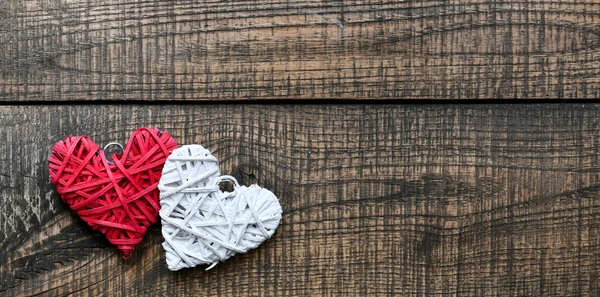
x=117, y=198
x=200, y=223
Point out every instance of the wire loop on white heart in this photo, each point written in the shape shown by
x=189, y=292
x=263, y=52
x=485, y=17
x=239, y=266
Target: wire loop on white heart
x=202, y=224
x=224, y=178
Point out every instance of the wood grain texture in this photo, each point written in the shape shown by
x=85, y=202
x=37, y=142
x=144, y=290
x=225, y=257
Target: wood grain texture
x=298, y=49
x=458, y=200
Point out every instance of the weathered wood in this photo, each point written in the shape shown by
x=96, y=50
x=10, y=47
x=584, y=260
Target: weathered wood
x=363, y=49
x=378, y=201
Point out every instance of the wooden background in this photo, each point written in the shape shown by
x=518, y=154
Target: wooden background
x=379, y=200
x=300, y=49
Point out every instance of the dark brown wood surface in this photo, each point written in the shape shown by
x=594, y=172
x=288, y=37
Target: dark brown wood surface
x=298, y=49
x=413, y=200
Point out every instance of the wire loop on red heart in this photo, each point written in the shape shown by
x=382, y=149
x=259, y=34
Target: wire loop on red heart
x=117, y=198
x=200, y=223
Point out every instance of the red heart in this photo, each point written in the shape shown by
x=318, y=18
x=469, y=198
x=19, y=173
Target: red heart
x=118, y=199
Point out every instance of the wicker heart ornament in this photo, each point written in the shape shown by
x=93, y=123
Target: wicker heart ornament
x=200, y=223
x=117, y=198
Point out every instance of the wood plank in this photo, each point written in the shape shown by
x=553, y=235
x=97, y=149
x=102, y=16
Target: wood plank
x=469, y=200
x=298, y=49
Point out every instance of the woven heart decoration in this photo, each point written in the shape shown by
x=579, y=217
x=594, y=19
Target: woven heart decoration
x=117, y=198
x=200, y=223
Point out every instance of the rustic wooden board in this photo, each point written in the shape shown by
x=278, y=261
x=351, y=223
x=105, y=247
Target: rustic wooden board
x=381, y=200
x=298, y=49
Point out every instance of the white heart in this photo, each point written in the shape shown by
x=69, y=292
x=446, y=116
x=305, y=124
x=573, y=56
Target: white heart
x=200, y=223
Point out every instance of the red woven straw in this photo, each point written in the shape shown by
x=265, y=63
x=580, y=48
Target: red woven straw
x=120, y=199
